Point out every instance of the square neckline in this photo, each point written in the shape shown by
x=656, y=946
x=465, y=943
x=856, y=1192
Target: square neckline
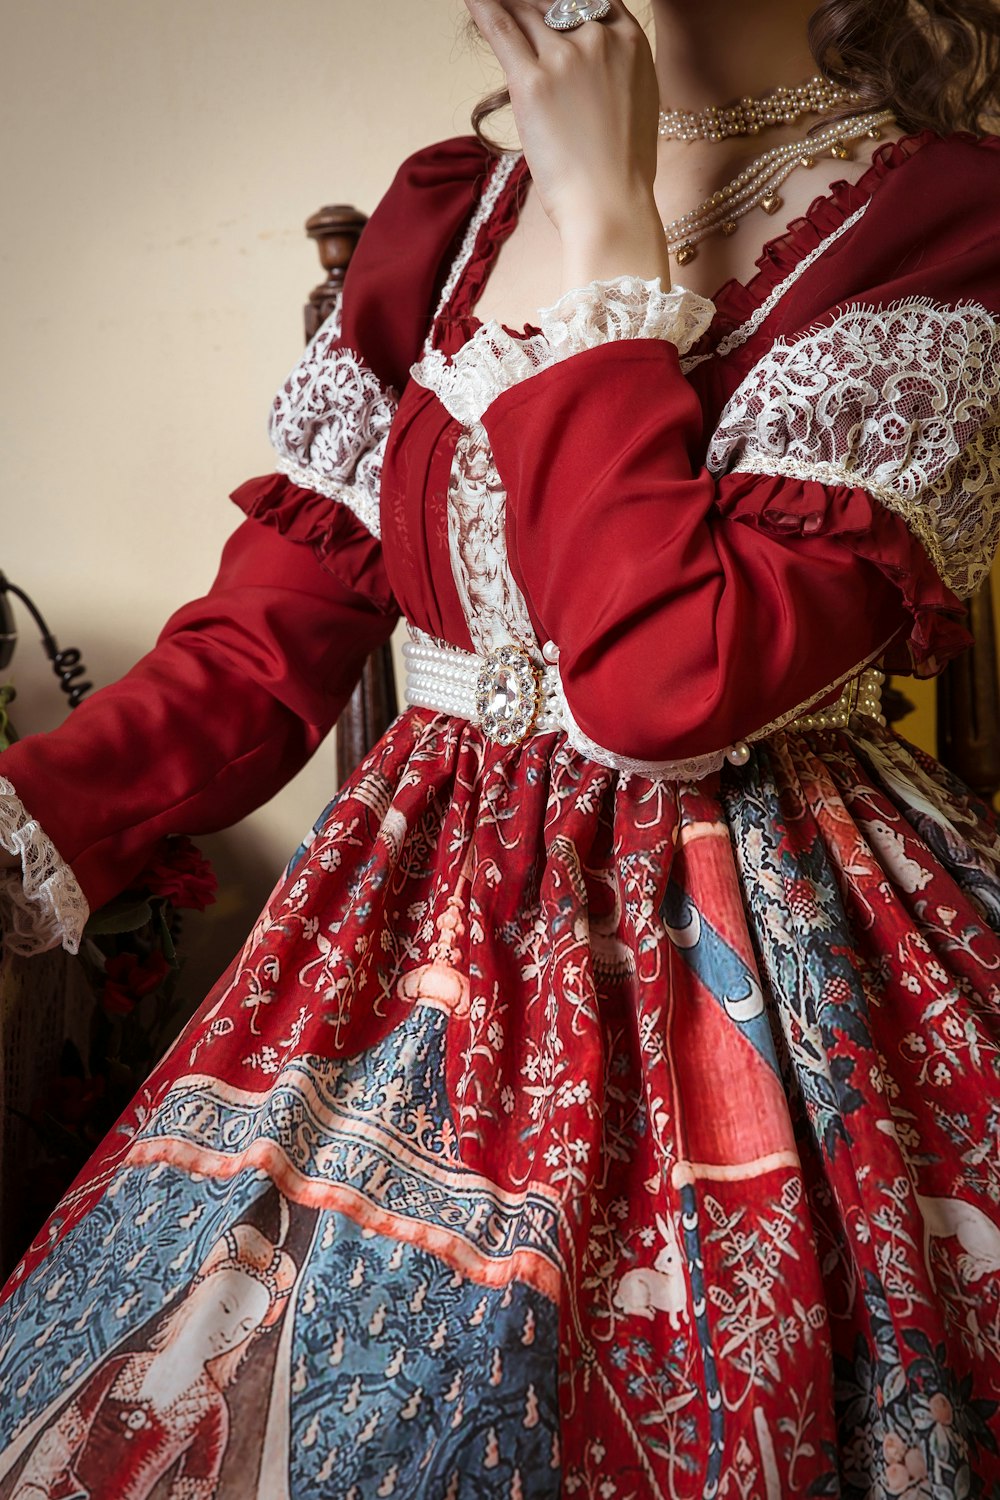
x=735, y=301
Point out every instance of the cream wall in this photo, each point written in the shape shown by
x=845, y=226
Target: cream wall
x=165, y=154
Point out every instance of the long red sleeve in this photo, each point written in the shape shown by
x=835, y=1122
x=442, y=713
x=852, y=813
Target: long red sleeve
x=680, y=628
x=239, y=690
x=244, y=683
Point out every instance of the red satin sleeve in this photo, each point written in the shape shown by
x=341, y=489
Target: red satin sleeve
x=867, y=531
x=686, y=613
x=240, y=689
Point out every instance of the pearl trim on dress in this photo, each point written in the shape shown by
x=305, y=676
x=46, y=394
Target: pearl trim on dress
x=449, y=679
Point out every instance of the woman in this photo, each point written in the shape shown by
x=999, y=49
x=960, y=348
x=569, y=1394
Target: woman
x=161, y=1408
x=623, y=1040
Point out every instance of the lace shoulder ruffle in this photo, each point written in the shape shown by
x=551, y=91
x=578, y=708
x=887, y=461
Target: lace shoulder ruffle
x=902, y=401
x=42, y=905
x=493, y=360
x=330, y=423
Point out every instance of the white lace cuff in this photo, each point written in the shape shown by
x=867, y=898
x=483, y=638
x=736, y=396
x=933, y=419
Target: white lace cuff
x=604, y=312
x=41, y=905
x=626, y=308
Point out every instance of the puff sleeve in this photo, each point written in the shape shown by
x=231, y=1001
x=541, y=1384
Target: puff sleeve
x=244, y=683
x=706, y=587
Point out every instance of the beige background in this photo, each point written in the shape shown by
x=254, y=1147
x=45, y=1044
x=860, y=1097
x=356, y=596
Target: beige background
x=165, y=154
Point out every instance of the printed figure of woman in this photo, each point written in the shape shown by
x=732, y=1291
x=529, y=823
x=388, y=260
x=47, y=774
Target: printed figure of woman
x=163, y=1410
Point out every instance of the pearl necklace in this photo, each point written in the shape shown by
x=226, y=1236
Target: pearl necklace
x=757, y=183
x=782, y=106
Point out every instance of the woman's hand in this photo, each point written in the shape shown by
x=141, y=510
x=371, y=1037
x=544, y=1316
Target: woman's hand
x=586, y=105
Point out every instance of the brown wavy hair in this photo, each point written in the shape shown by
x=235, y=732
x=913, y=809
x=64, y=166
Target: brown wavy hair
x=934, y=63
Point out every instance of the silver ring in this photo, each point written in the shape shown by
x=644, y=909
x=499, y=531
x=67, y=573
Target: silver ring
x=567, y=15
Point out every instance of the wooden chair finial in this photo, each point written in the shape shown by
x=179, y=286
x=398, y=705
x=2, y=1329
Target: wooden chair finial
x=336, y=230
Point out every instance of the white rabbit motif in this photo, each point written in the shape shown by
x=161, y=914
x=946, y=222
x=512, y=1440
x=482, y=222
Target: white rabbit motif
x=977, y=1234
x=944, y=1218
x=645, y=1291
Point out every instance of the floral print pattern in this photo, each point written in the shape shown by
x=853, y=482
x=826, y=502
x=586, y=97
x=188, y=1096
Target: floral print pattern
x=627, y=1137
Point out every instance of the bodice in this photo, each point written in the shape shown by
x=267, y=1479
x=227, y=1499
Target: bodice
x=442, y=502
x=893, y=403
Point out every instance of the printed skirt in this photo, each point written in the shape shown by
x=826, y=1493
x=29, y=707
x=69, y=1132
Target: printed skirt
x=556, y=1132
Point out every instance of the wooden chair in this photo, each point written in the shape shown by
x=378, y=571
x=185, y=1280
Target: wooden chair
x=373, y=705
x=968, y=691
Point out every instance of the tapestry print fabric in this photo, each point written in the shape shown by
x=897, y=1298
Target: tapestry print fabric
x=556, y=1132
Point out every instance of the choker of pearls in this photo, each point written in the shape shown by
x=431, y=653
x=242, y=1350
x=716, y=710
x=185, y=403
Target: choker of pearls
x=757, y=184
x=782, y=106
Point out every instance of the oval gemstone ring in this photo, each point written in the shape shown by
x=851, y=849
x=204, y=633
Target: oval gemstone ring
x=567, y=15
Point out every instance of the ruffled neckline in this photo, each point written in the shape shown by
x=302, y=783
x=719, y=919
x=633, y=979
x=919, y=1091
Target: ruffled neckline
x=736, y=301
x=461, y=322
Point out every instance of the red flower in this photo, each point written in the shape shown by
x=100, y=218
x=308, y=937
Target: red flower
x=127, y=977
x=180, y=873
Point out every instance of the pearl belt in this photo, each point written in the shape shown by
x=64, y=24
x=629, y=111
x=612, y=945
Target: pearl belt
x=502, y=691
x=509, y=695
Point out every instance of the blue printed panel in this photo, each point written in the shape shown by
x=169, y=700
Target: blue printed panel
x=409, y=1379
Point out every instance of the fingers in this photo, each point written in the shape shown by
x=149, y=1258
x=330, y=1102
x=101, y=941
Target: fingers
x=503, y=32
x=517, y=32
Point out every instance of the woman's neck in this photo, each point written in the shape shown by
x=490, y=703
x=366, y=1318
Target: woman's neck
x=714, y=51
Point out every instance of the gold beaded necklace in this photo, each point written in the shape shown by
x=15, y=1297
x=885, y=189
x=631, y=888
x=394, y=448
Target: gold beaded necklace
x=757, y=184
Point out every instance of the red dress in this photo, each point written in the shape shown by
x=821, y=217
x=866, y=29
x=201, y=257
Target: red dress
x=626, y=1095
x=115, y=1443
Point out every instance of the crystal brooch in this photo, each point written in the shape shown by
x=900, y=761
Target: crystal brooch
x=508, y=694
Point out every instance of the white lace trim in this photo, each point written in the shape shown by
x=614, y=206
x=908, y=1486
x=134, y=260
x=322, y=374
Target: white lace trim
x=692, y=769
x=361, y=498
x=330, y=423
x=749, y=328
x=626, y=307
x=492, y=603
x=493, y=360
x=902, y=401
x=41, y=905
x=334, y=317
x=696, y=766
x=501, y=173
